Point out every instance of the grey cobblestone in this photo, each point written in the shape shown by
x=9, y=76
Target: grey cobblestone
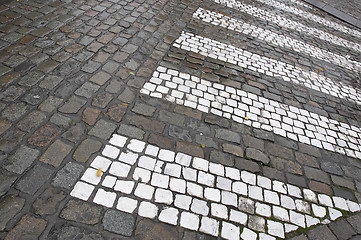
x=21, y=160
x=118, y=222
x=67, y=176
x=86, y=149
x=228, y=135
x=34, y=179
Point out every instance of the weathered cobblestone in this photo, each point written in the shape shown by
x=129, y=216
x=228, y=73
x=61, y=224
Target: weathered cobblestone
x=9, y=207
x=86, y=149
x=48, y=201
x=21, y=160
x=79, y=211
x=34, y=179
x=118, y=222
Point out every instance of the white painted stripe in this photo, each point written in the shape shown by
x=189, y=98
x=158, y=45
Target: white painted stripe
x=316, y=19
x=301, y=4
x=287, y=23
x=199, y=195
x=256, y=111
x=275, y=38
x=271, y=67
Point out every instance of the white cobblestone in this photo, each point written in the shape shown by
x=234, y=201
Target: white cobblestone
x=340, y=203
x=82, y=190
x=209, y=226
x=144, y=191
x=169, y=215
x=160, y=180
x=105, y=198
x=141, y=175
x=219, y=210
x=118, y=140
x=248, y=234
x=280, y=213
x=110, y=151
x=334, y=214
x=200, y=207
x=101, y=162
x=136, y=145
x=275, y=229
x=109, y=181
x=263, y=209
x=124, y=186
x=148, y=210
x=126, y=204
x=119, y=169
x=230, y=231
x=212, y=194
x=90, y=176
x=189, y=221
x=128, y=157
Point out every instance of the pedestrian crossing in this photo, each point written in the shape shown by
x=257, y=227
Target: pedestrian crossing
x=194, y=193
x=309, y=16
x=265, y=35
x=289, y=24
x=268, y=66
x=256, y=111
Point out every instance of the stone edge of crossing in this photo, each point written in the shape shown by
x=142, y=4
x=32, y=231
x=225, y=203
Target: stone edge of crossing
x=335, y=12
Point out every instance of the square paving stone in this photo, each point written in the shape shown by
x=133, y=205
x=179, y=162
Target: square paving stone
x=68, y=175
x=70, y=232
x=73, y=105
x=9, y=207
x=118, y=222
x=86, y=149
x=82, y=212
x=34, y=179
x=102, y=129
x=21, y=159
x=27, y=226
x=48, y=201
x=56, y=153
x=43, y=136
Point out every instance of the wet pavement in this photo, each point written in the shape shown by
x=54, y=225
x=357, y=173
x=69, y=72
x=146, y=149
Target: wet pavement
x=176, y=119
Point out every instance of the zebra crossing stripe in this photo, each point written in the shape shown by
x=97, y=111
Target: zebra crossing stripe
x=316, y=19
x=200, y=195
x=271, y=67
x=219, y=19
x=290, y=24
x=256, y=111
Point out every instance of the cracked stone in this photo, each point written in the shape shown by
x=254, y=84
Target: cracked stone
x=47, y=202
x=9, y=207
x=117, y=111
x=27, y=226
x=257, y=155
x=86, y=149
x=82, y=212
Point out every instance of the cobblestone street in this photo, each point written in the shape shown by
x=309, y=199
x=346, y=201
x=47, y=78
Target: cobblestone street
x=178, y=119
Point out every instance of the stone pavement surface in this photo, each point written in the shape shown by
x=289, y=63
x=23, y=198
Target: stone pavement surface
x=177, y=119
x=347, y=11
